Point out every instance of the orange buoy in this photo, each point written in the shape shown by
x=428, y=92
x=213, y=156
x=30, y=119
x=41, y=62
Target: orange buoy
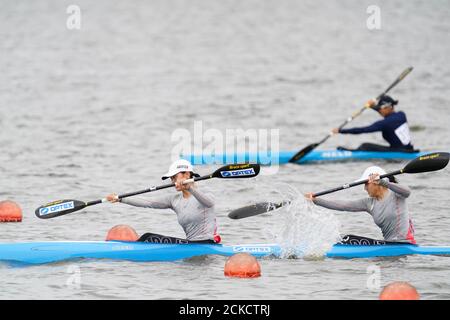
x=122, y=232
x=242, y=265
x=399, y=291
x=10, y=211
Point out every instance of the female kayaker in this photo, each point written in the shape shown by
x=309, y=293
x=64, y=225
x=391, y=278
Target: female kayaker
x=194, y=209
x=386, y=204
x=394, y=128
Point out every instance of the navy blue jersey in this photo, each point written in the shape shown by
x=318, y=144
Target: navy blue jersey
x=394, y=128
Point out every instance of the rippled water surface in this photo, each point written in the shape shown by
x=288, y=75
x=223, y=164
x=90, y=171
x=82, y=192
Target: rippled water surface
x=90, y=111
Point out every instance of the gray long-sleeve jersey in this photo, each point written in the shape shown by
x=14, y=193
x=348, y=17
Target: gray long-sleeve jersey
x=390, y=214
x=195, y=214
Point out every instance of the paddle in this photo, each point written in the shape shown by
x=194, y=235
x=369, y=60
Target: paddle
x=302, y=153
x=62, y=207
x=426, y=163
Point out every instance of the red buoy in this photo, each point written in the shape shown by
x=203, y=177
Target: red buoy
x=399, y=291
x=242, y=265
x=122, y=232
x=10, y=211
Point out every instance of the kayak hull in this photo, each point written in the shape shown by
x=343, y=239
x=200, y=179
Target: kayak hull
x=49, y=252
x=283, y=157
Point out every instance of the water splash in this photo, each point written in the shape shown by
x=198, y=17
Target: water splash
x=301, y=228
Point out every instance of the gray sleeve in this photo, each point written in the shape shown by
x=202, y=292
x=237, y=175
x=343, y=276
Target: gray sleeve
x=399, y=190
x=205, y=199
x=160, y=203
x=353, y=206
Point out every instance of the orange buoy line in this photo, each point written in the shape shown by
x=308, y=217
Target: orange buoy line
x=10, y=211
x=399, y=290
x=122, y=232
x=242, y=265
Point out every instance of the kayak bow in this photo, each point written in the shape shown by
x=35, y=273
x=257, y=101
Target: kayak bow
x=48, y=252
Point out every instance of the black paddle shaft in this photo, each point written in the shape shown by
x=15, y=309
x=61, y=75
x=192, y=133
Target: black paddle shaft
x=155, y=188
x=302, y=153
x=62, y=207
x=125, y=195
x=353, y=184
x=393, y=84
x=426, y=163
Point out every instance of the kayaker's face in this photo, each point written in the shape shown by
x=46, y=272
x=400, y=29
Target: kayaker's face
x=385, y=111
x=373, y=189
x=180, y=177
x=369, y=188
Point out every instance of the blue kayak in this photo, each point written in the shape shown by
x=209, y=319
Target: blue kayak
x=48, y=252
x=283, y=157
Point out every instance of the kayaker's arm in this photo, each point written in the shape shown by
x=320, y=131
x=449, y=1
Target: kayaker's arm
x=161, y=203
x=352, y=206
x=377, y=126
x=401, y=191
x=205, y=199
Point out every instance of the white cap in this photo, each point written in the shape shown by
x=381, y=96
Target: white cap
x=369, y=171
x=180, y=165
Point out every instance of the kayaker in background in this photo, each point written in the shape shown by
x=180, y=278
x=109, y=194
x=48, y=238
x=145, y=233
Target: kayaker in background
x=394, y=128
x=194, y=209
x=386, y=204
